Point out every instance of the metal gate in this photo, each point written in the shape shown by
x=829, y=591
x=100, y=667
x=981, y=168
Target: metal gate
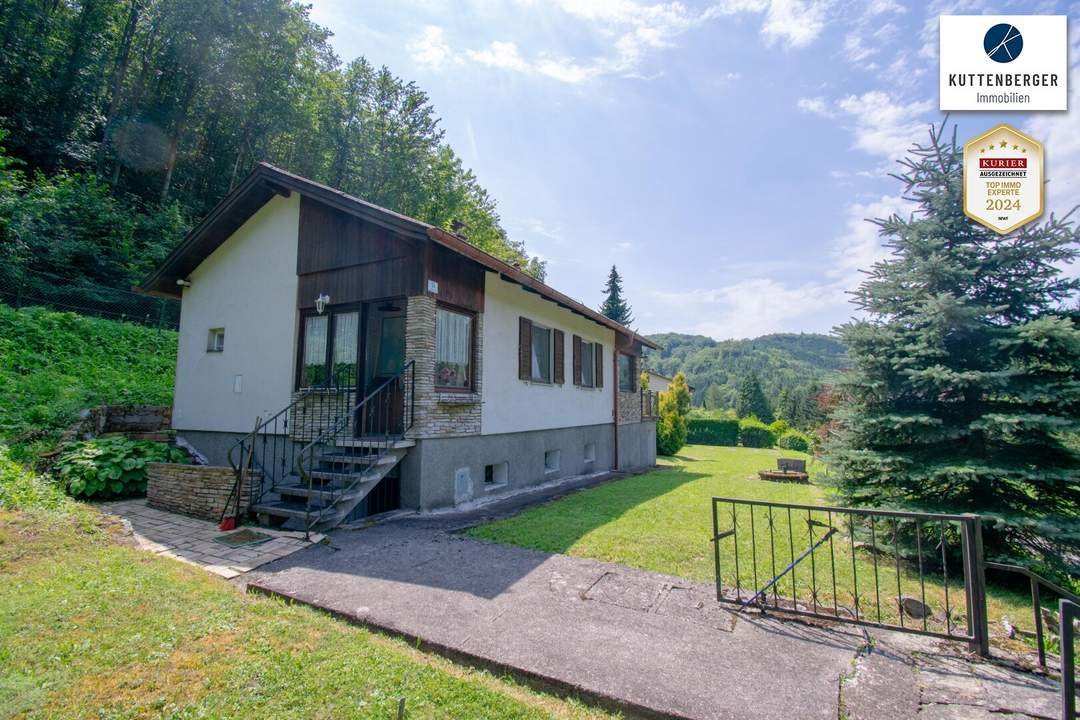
x=915, y=572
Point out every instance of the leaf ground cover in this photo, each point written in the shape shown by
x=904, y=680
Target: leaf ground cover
x=661, y=521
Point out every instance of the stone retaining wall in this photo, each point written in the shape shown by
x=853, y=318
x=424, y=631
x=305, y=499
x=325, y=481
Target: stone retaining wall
x=197, y=490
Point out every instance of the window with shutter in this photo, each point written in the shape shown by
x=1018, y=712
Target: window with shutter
x=577, y=360
x=524, y=349
x=599, y=379
x=558, y=374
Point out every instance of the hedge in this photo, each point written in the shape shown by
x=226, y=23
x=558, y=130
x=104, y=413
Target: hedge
x=755, y=434
x=714, y=431
x=795, y=440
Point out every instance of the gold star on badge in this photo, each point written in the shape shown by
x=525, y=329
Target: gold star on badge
x=982, y=150
x=990, y=148
x=1023, y=150
x=1004, y=143
x=1016, y=147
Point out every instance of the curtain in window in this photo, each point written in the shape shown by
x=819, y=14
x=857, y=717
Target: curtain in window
x=453, y=349
x=541, y=354
x=346, y=336
x=314, y=370
x=588, y=364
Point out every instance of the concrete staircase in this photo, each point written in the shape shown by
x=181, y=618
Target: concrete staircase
x=344, y=474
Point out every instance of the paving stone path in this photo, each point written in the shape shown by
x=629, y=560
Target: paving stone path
x=192, y=540
x=649, y=643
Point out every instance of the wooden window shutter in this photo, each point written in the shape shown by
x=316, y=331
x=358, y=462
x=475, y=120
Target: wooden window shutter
x=598, y=353
x=577, y=360
x=558, y=373
x=525, y=348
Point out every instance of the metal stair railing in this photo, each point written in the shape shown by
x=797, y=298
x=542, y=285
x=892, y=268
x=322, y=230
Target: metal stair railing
x=270, y=449
x=379, y=420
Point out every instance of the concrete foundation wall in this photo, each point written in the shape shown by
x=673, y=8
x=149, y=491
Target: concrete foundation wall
x=214, y=445
x=443, y=472
x=637, y=445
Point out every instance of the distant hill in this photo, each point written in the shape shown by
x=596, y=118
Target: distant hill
x=783, y=360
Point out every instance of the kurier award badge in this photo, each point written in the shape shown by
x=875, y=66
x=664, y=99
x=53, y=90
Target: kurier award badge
x=1003, y=179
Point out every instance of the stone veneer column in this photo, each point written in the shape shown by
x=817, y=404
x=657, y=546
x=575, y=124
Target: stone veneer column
x=439, y=414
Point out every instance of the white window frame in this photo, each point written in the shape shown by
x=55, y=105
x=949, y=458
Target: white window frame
x=590, y=364
x=215, y=340
x=550, y=354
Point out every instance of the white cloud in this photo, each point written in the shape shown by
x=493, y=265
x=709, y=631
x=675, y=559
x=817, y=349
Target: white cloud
x=884, y=125
x=429, y=49
x=815, y=106
x=748, y=308
x=499, y=54
x=860, y=246
x=793, y=23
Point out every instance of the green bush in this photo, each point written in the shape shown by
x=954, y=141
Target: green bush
x=111, y=467
x=795, y=440
x=755, y=434
x=713, y=431
x=779, y=427
x=21, y=489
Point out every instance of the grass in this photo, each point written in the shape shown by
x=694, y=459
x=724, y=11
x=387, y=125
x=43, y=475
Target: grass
x=54, y=364
x=90, y=627
x=661, y=521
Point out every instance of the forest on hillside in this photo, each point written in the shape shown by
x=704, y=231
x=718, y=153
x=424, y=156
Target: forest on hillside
x=122, y=122
x=791, y=368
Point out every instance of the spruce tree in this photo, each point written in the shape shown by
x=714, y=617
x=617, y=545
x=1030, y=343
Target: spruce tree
x=751, y=401
x=615, y=306
x=964, y=385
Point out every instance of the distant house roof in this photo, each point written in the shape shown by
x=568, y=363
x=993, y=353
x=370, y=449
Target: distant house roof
x=266, y=181
x=665, y=377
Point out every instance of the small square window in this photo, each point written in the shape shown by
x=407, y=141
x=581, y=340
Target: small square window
x=590, y=452
x=215, y=340
x=551, y=460
x=496, y=474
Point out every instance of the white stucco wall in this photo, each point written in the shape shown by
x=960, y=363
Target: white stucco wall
x=512, y=405
x=247, y=286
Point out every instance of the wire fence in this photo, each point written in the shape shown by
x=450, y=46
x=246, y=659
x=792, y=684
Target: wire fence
x=87, y=298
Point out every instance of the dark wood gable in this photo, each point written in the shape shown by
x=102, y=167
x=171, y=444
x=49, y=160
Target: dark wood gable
x=352, y=260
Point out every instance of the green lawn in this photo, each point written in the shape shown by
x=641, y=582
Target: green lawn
x=661, y=521
x=91, y=628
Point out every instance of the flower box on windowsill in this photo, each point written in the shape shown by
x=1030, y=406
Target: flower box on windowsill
x=449, y=397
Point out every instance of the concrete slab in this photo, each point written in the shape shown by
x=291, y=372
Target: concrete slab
x=645, y=641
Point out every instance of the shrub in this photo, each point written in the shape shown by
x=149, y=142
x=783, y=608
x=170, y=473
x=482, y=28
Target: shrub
x=671, y=429
x=20, y=489
x=795, y=440
x=713, y=431
x=755, y=434
x=779, y=427
x=111, y=467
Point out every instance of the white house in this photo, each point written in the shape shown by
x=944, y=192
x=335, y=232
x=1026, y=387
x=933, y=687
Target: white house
x=389, y=363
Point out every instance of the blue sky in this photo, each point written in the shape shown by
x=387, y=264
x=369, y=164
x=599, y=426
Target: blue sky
x=723, y=155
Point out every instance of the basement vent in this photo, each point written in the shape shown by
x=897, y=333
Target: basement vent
x=551, y=460
x=590, y=452
x=496, y=474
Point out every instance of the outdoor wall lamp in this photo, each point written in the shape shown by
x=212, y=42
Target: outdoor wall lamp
x=320, y=302
x=183, y=283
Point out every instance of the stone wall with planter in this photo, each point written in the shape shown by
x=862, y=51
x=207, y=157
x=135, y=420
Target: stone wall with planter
x=439, y=413
x=197, y=490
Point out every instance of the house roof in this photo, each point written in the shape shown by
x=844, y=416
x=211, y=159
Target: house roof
x=265, y=181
